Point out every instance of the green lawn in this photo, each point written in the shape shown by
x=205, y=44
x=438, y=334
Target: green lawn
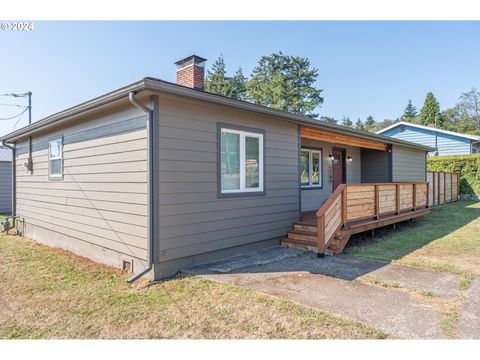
x=448, y=239
x=50, y=293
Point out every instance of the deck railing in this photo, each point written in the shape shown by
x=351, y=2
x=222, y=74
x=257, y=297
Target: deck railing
x=355, y=202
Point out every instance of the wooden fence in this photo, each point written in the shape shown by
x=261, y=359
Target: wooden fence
x=443, y=187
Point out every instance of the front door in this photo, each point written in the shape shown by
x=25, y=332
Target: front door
x=338, y=167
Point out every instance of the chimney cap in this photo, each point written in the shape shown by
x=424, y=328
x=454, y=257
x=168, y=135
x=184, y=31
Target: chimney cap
x=189, y=60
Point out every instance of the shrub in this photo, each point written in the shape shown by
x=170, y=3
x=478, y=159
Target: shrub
x=467, y=165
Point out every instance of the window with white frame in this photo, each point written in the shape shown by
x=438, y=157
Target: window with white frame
x=241, y=161
x=311, y=168
x=55, y=159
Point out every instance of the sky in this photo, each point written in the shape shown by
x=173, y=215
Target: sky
x=365, y=68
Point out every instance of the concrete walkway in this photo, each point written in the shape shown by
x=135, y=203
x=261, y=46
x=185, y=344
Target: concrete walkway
x=400, y=300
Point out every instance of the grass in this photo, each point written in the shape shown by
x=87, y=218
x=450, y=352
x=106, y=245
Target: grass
x=449, y=322
x=51, y=293
x=446, y=240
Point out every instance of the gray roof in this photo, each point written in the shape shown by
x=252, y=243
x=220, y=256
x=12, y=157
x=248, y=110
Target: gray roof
x=5, y=154
x=157, y=85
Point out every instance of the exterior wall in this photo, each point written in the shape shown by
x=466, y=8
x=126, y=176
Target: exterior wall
x=312, y=199
x=376, y=166
x=408, y=164
x=99, y=209
x=5, y=187
x=446, y=144
x=194, y=221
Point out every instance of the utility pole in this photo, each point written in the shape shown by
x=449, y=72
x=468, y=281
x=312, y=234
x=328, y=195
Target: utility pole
x=29, y=107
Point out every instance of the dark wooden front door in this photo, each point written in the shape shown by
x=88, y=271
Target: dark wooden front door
x=338, y=168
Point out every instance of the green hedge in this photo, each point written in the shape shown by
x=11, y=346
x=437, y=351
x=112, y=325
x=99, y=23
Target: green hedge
x=467, y=165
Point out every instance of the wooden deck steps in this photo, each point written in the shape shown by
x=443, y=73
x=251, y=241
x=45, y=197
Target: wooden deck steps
x=304, y=233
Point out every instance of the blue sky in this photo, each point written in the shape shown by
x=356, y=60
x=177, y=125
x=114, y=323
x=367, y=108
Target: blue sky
x=364, y=67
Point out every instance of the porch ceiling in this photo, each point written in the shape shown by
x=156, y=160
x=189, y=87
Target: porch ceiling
x=315, y=134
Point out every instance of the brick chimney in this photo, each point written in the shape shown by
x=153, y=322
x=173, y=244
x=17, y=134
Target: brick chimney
x=191, y=72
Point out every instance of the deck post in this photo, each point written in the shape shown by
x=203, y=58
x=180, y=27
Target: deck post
x=433, y=188
x=321, y=236
x=397, y=198
x=344, y=206
x=377, y=203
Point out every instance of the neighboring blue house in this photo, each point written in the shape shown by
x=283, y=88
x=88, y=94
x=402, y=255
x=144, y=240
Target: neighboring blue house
x=446, y=142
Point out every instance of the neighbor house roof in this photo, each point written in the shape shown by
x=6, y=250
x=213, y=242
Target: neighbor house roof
x=157, y=85
x=453, y=133
x=5, y=154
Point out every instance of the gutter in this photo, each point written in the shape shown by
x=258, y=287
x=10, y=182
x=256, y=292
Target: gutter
x=14, y=177
x=150, y=185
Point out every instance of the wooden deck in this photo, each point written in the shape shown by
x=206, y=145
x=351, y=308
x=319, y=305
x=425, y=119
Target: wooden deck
x=355, y=208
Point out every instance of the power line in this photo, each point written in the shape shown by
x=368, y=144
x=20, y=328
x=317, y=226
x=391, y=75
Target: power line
x=13, y=117
x=20, y=106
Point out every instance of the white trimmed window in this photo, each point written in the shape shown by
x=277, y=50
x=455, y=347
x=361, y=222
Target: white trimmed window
x=55, y=159
x=241, y=161
x=311, y=168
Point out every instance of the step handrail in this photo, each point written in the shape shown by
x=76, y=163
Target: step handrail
x=321, y=229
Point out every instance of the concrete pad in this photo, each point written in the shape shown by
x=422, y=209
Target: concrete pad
x=252, y=258
x=330, y=284
x=469, y=326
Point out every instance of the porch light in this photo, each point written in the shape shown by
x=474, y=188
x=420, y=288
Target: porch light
x=331, y=157
x=349, y=158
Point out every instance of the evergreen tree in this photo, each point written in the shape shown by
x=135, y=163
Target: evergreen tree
x=410, y=112
x=370, y=123
x=347, y=122
x=238, y=85
x=286, y=83
x=328, y=119
x=216, y=80
x=359, y=125
x=430, y=112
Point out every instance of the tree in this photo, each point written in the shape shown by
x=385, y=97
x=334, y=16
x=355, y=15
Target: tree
x=238, y=85
x=430, y=112
x=359, y=125
x=370, y=123
x=347, y=122
x=286, y=83
x=218, y=82
x=469, y=108
x=328, y=119
x=410, y=112
x=383, y=124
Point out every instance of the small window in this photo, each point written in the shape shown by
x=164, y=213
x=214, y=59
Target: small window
x=55, y=159
x=241, y=161
x=311, y=168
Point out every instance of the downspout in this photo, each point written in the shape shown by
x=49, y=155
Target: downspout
x=14, y=178
x=150, y=180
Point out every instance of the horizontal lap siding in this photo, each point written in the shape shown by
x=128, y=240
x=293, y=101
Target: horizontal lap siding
x=193, y=220
x=409, y=165
x=5, y=187
x=312, y=199
x=102, y=199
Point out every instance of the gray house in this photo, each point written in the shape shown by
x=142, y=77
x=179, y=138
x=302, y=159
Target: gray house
x=5, y=180
x=157, y=176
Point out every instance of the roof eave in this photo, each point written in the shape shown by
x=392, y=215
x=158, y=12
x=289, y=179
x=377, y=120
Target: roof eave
x=72, y=112
x=158, y=85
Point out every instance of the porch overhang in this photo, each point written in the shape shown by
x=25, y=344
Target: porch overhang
x=335, y=138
